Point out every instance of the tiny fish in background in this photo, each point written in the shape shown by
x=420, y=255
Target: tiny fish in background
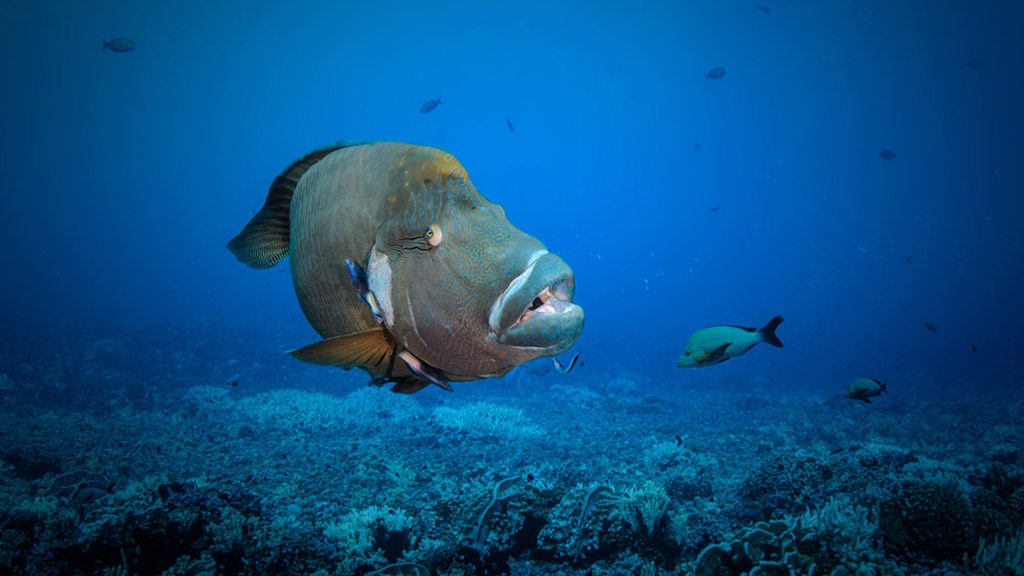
x=974, y=348
x=887, y=154
x=908, y=259
x=864, y=389
x=931, y=327
x=696, y=146
x=763, y=8
x=715, y=208
x=715, y=73
x=566, y=369
x=119, y=44
x=430, y=105
x=975, y=64
x=511, y=128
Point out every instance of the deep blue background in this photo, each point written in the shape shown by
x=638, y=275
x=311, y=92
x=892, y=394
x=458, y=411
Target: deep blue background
x=125, y=174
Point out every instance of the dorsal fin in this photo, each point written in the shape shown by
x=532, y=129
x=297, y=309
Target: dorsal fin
x=264, y=240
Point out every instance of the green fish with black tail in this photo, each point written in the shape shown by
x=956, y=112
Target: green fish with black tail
x=716, y=344
x=864, y=389
x=407, y=271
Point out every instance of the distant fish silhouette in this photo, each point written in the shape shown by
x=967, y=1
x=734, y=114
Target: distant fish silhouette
x=864, y=389
x=975, y=64
x=120, y=44
x=931, y=327
x=887, y=154
x=908, y=259
x=715, y=208
x=974, y=348
x=508, y=123
x=696, y=146
x=430, y=105
x=715, y=73
x=764, y=9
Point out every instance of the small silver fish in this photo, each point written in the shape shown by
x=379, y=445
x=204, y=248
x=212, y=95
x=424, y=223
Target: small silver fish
x=358, y=277
x=566, y=369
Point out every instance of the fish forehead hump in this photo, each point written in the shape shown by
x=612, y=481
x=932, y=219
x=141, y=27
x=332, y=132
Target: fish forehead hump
x=444, y=305
x=481, y=247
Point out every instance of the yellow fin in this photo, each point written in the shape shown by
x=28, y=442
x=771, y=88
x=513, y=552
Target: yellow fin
x=372, y=350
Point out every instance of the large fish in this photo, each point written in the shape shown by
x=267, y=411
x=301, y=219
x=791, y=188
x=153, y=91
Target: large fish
x=716, y=344
x=407, y=271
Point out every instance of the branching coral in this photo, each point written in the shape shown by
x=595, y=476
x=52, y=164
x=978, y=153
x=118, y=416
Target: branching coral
x=483, y=418
x=575, y=525
x=495, y=521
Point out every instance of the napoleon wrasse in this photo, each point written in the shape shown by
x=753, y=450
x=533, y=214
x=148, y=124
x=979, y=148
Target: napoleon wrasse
x=407, y=271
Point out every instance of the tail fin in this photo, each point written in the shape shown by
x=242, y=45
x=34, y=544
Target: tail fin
x=768, y=332
x=264, y=240
x=885, y=386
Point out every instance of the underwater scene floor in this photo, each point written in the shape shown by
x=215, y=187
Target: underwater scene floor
x=131, y=455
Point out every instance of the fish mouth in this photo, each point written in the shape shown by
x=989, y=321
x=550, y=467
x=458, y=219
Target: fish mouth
x=536, y=309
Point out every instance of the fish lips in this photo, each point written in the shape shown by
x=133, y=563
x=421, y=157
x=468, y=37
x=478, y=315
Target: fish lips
x=536, y=310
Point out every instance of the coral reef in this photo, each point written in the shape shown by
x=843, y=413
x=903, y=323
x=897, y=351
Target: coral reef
x=149, y=474
x=926, y=520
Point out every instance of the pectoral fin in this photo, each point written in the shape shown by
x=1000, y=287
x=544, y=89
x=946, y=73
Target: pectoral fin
x=372, y=350
x=715, y=356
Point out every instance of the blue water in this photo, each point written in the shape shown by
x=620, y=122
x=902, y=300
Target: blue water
x=678, y=201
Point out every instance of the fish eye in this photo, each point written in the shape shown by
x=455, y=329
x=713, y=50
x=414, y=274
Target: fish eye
x=434, y=235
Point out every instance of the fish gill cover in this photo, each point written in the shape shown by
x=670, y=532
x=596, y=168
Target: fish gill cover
x=856, y=171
